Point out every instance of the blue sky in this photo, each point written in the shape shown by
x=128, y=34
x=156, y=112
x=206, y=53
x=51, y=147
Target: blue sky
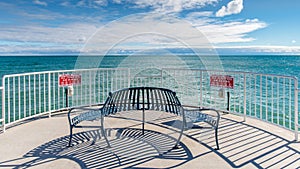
x=231, y=26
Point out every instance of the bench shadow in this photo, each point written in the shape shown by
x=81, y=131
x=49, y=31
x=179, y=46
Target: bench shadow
x=129, y=148
x=241, y=144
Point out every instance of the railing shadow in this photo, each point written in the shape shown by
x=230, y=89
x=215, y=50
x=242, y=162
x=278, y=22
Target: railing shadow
x=242, y=144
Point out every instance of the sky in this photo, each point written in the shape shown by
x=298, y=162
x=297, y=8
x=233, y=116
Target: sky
x=43, y=27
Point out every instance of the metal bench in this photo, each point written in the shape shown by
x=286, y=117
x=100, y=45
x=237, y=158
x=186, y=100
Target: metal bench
x=139, y=98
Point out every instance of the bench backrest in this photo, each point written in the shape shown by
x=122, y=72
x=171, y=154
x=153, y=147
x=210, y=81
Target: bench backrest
x=142, y=98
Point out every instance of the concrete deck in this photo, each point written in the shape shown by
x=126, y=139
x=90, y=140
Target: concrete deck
x=41, y=143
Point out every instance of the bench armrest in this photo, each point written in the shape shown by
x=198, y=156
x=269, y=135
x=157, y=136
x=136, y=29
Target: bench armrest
x=208, y=115
x=85, y=114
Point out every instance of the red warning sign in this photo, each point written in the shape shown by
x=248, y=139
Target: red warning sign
x=224, y=81
x=69, y=80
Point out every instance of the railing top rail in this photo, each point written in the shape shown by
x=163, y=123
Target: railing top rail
x=95, y=69
x=61, y=71
x=236, y=72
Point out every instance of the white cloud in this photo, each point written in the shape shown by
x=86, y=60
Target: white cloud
x=46, y=15
x=72, y=35
x=294, y=41
x=38, y=2
x=195, y=15
x=101, y=2
x=38, y=39
x=138, y=32
x=233, y=7
x=81, y=3
x=65, y=3
x=65, y=35
x=117, y=1
x=167, y=5
x=88, y=3
x=227, y=32
x=264, y=49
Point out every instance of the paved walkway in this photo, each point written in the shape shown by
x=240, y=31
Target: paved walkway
x=41, y=143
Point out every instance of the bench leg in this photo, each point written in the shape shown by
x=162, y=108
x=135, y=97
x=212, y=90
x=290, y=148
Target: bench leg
x=181, y=132
x=143, y=124
x=216, y=137
x=70, y=137
x=103, y=132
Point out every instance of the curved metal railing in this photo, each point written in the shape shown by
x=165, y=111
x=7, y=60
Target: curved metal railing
x=270, y=98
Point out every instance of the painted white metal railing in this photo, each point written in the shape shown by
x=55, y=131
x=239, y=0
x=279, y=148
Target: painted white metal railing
x=270, y=98
x=1, y=114
x=32, y=94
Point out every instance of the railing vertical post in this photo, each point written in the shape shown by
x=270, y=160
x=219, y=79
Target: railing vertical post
x=245, y=99
x=3, y=103
x=90, y=86
x=49, y=93
x=201, y=92
x=161, y=77
x=296, y=109
x=129, y=78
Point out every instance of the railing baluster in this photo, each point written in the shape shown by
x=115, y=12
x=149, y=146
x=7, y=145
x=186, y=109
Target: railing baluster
x=14, y=98
x=19, y=95
x=58, y=94
x=44, y=109
x=90, y=86
x=261, y=97
x=49, y=94
x=283, y=98
x=81, y=92
x=25, y=100
x=290, y=103
x=296, y=110
x=250, y=94
x=201, y=89
x=53, y=88
x=107, y=82
x=8, y=103
x=29, y=94
x=34, y=94
x=245, y=97
x=103, y=77
x=39, y=86
x=3, y=102
x=266, y=86
x=255, y=95
x=278, y=98
x=272, y=110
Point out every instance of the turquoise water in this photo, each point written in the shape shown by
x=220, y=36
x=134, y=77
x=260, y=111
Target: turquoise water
x=24, y=64
x=280, y=65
